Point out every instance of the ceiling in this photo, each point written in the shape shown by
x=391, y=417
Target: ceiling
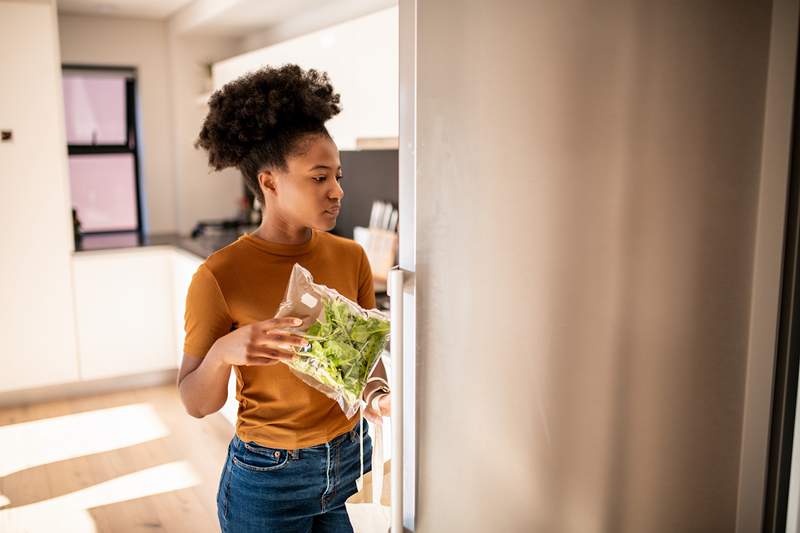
x=152, y=9
x=230, y=17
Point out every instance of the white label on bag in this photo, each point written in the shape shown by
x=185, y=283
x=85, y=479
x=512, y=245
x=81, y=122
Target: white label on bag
x=308, y=300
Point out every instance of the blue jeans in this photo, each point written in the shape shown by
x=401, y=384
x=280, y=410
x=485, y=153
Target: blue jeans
x=271, y=490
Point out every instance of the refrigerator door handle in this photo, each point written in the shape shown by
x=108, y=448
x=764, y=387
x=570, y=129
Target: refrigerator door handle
x=399, y=281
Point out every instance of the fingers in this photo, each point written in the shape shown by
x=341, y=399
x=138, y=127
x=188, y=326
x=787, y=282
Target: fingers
x=271, y=332
x=260, y=361
x=275, y=323
x=269, y=343
x=264, y=355
x=385, y=404
x=276, y=336
x=372, y=416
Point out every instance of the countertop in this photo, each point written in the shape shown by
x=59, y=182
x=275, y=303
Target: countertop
x=202, y=246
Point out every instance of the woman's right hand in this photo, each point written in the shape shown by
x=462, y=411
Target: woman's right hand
x=260, y=344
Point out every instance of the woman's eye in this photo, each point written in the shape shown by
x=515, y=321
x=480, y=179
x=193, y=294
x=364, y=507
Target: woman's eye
x=319, y=179
x=339, y=177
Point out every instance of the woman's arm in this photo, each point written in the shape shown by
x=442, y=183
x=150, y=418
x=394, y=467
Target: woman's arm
x=203, y=382
x=378, y=381
x=377, y=394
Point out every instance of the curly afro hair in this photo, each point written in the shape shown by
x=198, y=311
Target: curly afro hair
x=258, y=120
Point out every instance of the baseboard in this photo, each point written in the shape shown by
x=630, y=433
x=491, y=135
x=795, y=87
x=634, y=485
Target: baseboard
x=66, y=391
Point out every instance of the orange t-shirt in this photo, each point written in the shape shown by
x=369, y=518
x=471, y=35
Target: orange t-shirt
x=244, y=283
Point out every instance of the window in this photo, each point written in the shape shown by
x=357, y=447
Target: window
x=100, y=113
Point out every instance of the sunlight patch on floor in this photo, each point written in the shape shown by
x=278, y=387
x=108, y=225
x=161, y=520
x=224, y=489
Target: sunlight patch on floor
x=30, y=444
x=70, y=512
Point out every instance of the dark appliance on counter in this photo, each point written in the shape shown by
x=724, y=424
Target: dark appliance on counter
x=369, y=176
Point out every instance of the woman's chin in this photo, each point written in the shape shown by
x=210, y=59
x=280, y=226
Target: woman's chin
x=327, y=223
x=323, y=225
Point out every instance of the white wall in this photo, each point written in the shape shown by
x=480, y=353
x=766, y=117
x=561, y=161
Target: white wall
x=37, y=321
x=200, y=194
x=179, y=189
x=141, y=44
x=361, y=57
x=322, y=15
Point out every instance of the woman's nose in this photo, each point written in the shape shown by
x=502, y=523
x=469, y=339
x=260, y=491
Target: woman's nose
x=337, y=192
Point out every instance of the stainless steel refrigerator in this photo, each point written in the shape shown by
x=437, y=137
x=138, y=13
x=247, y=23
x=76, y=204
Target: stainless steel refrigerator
x=592, y=200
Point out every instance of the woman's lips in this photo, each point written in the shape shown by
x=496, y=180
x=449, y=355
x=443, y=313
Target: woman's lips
x=333, y=211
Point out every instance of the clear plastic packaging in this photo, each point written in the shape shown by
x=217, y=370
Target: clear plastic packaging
x=346, y=341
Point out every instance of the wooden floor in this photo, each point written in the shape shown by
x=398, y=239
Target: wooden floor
x=130, y=461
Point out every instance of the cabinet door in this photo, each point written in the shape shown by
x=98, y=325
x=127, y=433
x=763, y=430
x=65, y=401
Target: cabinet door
x=184, y=266
x=124, y=304
x=36, y=322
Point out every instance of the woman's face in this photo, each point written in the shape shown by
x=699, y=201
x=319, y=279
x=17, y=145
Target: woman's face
x=308, y=193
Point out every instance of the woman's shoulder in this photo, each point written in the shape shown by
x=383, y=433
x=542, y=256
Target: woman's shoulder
x=342, y=243
x=226, y=257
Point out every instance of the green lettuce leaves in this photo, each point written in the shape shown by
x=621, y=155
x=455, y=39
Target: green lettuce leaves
x=344, y=347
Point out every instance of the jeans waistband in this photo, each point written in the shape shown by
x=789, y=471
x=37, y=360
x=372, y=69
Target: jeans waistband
x=353, y=435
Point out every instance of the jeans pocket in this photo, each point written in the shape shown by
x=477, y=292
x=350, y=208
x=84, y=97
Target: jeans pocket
x=257, y=458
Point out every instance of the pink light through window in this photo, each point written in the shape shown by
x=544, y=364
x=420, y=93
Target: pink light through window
x=103, y=191
x=95, y=109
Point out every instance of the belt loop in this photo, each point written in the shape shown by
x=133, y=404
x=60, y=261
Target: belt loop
x=295, y=454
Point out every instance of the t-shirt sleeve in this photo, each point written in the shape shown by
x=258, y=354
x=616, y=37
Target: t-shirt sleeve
x=207, y=317
x=366, y=289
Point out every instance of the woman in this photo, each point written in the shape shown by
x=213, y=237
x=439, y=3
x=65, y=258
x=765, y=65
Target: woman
x=294, y=459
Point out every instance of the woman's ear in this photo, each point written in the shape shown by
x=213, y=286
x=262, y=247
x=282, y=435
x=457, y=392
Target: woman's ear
x=266, y=180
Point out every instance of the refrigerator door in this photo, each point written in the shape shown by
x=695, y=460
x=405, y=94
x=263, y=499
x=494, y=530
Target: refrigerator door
x=578, y=204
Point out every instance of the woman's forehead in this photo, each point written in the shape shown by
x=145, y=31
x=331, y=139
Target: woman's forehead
x=320, y=153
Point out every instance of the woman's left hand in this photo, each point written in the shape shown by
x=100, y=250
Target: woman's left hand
x=384, y=404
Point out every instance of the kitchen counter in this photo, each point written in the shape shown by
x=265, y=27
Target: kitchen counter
x=202, y=246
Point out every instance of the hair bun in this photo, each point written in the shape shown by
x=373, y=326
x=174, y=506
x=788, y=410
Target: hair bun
x=262, y=105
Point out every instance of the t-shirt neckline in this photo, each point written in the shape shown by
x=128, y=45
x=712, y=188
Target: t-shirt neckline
x=280, y=248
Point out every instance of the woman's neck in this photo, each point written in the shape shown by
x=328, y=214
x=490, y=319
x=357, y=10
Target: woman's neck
x=274, y=229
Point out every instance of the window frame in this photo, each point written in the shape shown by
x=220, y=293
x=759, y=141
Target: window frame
x=131, y=145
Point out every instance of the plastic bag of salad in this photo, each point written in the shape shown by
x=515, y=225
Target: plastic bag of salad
x=345, y=340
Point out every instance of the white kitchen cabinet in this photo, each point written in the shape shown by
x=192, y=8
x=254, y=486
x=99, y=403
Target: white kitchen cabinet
x=36, y=320
x=370, y=109
x=124, y=300
x=184, y=265
x=231, y=407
